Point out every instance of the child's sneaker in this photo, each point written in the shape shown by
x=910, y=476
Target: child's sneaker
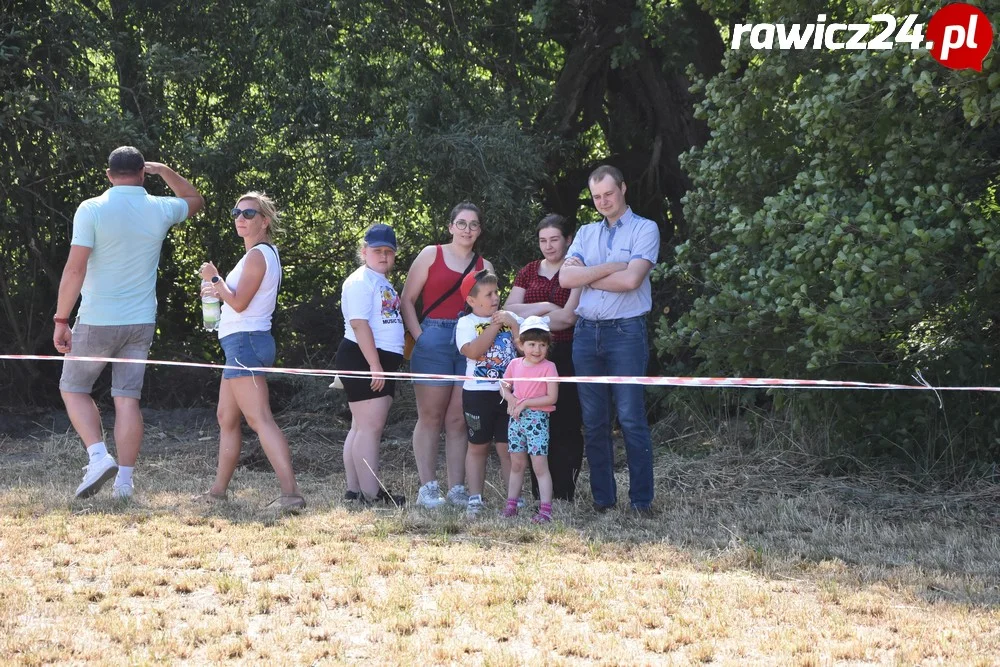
x=458, y=496
x=389, y=498
x=475, y=506
x=544, y=513
x=510, y=509
x=430, y=496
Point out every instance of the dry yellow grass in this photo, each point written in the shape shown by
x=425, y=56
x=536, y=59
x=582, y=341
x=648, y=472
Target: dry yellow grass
x=745, y=563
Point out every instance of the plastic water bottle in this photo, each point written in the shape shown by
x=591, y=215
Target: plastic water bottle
x=211, y=309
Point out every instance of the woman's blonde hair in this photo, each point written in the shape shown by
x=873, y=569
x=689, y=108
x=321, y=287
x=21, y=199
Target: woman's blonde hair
x=267, y=207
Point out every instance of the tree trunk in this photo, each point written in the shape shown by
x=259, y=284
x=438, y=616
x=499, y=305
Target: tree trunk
x=644, y=110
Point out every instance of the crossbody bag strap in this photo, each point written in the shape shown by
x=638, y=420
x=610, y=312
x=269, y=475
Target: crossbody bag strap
x=454, y=288
x=555, y=287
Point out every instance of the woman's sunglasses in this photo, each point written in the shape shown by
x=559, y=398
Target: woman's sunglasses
x=248, y=213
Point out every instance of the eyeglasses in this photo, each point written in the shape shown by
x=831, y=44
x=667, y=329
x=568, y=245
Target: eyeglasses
x=463, y=225
x=248, y=213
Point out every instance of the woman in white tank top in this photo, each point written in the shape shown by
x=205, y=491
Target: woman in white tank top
x=249, y=294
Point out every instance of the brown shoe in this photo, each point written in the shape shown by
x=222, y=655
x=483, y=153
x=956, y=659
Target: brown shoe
x=209, y=498
x=292, y=502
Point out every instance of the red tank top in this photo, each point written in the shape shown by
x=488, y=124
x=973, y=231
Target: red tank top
x=440, y=279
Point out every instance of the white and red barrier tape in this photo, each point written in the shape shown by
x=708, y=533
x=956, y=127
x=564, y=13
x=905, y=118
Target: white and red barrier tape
x=673, y=381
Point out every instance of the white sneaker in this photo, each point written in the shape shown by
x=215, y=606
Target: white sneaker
x=430, y=496
x=95, y=475
x=475, y=506
x=122, y=491
x=457, y=495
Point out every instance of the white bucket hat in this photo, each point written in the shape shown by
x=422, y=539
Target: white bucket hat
x=535, y=322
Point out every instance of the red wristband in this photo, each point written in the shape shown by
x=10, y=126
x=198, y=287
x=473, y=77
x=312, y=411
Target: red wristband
x=60, y=320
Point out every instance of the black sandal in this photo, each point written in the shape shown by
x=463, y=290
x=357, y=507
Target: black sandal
x=397, y=500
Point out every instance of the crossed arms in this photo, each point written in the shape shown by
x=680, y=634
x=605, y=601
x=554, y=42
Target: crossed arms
x=609, y=276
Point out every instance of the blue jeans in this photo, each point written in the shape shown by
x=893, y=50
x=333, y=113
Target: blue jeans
x=615, y=347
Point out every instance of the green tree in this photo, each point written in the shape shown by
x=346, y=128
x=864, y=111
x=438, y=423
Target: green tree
x=842, y=226
x=349, y=112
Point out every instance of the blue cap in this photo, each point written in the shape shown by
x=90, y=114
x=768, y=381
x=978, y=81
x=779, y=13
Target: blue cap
x=380, y=236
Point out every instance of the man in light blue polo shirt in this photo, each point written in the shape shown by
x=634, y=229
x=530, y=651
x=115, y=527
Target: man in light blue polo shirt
x=611, y=260
x=112, y=263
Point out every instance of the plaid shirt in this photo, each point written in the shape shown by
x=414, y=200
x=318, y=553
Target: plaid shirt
x=538, y=289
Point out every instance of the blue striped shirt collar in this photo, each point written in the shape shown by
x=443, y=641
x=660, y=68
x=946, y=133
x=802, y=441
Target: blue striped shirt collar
x=626, y=218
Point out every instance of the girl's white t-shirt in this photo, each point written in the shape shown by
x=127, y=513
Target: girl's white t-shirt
x=368, y=295
x=257, y=315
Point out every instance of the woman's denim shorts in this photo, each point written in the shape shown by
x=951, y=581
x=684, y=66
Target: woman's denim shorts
x=252, y=349
x=435, y=352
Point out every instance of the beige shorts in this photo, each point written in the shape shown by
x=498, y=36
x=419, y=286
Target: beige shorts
x=127, y=341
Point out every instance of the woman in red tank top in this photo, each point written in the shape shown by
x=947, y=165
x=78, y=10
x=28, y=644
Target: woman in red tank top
x=433, y=279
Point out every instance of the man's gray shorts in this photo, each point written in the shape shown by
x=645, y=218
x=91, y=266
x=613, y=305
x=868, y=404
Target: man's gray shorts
x=126, y=341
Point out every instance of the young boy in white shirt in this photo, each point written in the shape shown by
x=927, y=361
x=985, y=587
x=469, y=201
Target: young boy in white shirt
x=486, y=338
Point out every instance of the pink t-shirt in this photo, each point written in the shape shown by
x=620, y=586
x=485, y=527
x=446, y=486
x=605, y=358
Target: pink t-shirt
x=518, y=371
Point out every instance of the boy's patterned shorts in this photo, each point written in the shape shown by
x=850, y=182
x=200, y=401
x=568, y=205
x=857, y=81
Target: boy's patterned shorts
x=529, y=434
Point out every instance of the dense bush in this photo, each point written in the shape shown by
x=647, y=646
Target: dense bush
x=842, y=225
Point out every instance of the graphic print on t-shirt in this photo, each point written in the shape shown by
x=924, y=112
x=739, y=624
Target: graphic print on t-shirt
x=390, y=305
x=501, y=353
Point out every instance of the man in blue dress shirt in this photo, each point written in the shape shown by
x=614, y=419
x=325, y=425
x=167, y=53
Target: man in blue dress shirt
x=611, y=260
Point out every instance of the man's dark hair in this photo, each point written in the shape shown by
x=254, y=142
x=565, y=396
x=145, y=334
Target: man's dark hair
x=606, y=170
x=125, y=161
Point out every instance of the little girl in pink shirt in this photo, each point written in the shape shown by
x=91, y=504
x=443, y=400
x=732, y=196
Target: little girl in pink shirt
x=529, y=404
